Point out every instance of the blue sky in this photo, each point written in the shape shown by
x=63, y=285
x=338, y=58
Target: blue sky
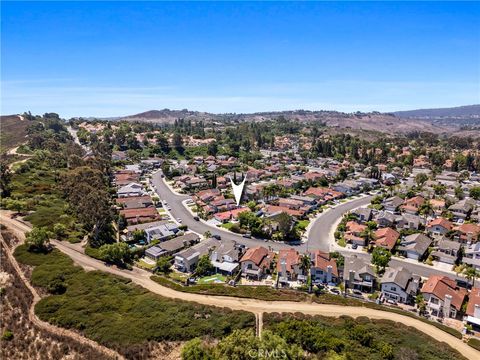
x=119, y=58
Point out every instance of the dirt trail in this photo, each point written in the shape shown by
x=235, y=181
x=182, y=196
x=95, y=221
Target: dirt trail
x=142, y=278
x=45, y=325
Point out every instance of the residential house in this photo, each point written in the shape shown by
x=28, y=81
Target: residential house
x=353, y=233
x=323, y=268
x=467, y=233
x=414, y=246
x=392, y=203
x=439, y=227
x=363, y=214
x=412, y=205
x=462, y=209
x=225, y=257
x=400, y=285
x=359, y=274
x=443, y=297
x=160, y=230
x=472, y=255
x=438, y=206
x=256, y=262
x=229, y=215
x=172, y=246
x=137, y=216
x=386, y=238
x=446, y=251
x=385, y=219
x=473, y=309
x=407, y=221
x=187, y=260
x=288, y=265
x=132, y=189
x=135, y=202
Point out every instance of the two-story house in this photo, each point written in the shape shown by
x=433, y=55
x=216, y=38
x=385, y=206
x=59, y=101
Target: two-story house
x=359, y=274
x=400, y=285
x=443, y=297
x=256, y=262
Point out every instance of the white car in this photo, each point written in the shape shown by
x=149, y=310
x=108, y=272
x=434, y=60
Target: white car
x=179, y=220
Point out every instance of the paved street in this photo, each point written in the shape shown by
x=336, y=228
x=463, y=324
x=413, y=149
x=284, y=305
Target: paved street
x=320, y=234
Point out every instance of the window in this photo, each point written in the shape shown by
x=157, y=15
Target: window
x=434, y=300
x=394, y=288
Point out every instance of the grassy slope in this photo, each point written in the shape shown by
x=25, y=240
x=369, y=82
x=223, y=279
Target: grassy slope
x=117, y=313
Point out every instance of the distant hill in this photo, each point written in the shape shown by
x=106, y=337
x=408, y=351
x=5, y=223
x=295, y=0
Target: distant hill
x=13, y=131
x=373, y=121
x=461, y=112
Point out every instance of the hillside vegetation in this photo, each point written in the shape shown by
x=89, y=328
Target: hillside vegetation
x=13, y=131
x=116, y=313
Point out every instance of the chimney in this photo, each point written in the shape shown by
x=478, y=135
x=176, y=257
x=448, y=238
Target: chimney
x=351, y=277
x=329, y=274
x=476, y=311
x=283, y=265
x=446, y=305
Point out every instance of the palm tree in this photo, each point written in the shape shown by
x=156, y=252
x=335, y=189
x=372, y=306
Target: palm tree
x=426, y=209
x=305, y=263
x=471, y=274
x=368, y=234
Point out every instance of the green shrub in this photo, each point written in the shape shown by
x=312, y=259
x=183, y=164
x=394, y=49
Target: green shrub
x=115, y=312
x=475, y=343
x=7, y=335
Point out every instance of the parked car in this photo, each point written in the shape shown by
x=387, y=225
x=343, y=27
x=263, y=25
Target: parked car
x=196, y=218
x=247, y=235
x=335, y=291
x=218, y=237
x=354, y=246
x=179, y=220
x=357, y=292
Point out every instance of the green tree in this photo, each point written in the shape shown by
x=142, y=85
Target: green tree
x=475, y=192
x=243, y=344
x=164, y=265
x=305, y=264
x=5, y=178
x=37, y=239
x=284, y=224
x=380, y=258
x=421, y=178
x=212, y=148
x=471, y=274
x=59, y=230
x=204, y=266
x=117, y=253
x=196, y=350
x=15, y=205
x=421, y=304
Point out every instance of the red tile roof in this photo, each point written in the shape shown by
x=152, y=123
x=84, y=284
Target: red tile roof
x=322, y=260
x=291, y=257
x=474, y=299
x=440, y=222
x=258, y=255
x=443, y=285
x=386, y=238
